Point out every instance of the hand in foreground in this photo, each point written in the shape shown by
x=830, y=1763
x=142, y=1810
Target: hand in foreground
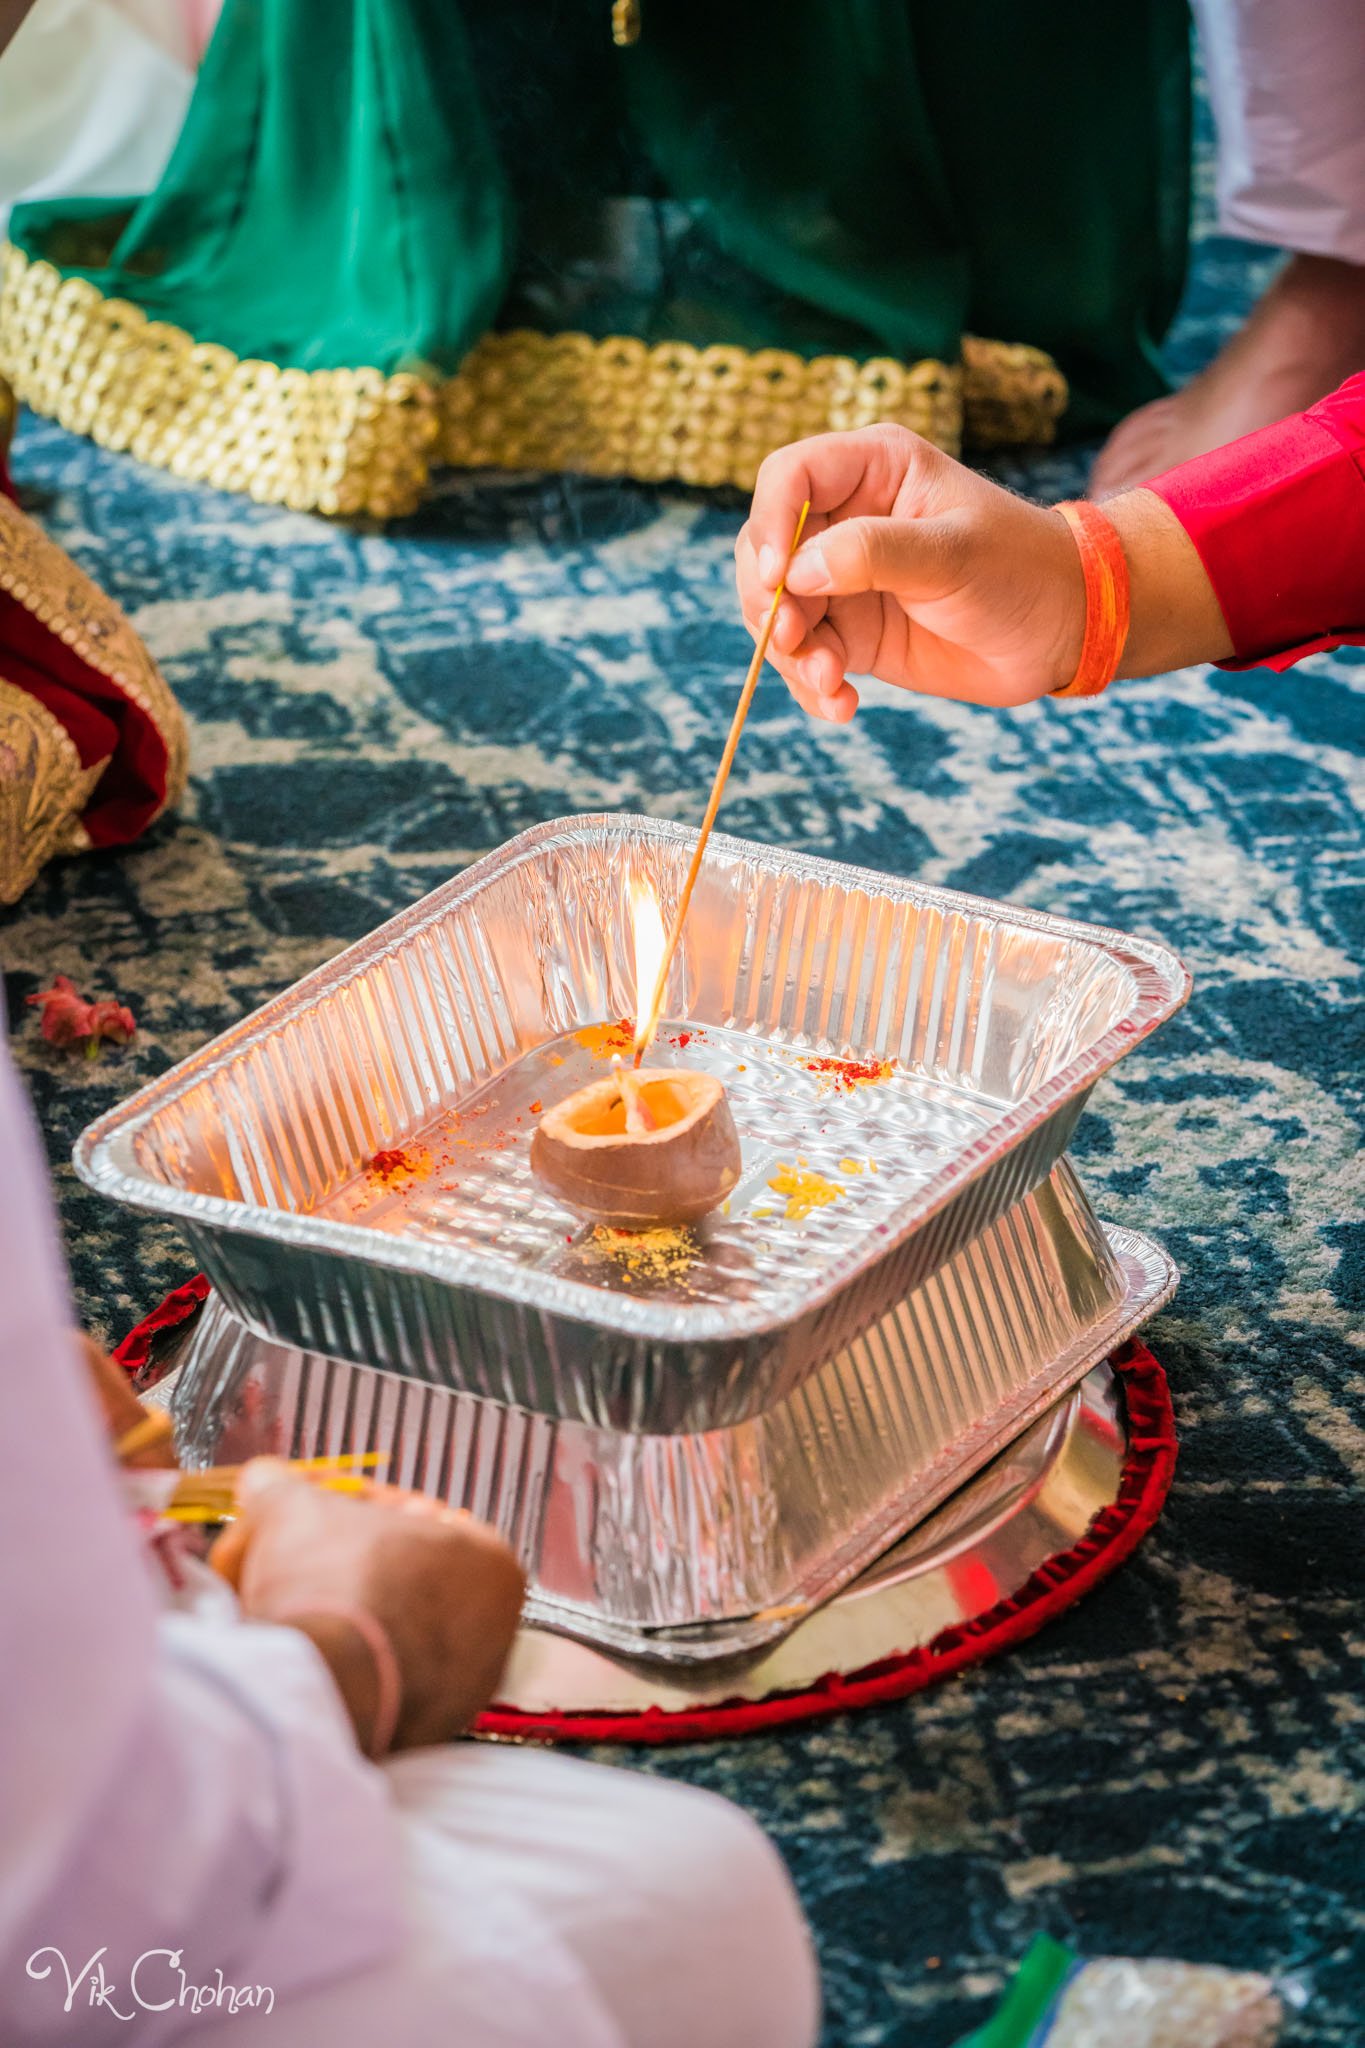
x=446, y=1590
x=919, y=571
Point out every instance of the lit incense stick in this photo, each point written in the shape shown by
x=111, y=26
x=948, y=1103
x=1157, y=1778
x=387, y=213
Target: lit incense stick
x=644, y=1031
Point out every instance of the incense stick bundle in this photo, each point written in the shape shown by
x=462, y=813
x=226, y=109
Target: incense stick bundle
x=211, y=1495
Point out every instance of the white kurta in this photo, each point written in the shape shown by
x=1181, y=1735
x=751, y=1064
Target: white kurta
x=183, y=1788
x=1287, y=85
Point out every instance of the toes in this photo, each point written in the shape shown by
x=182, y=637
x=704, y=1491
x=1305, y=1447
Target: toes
x=1138, y=448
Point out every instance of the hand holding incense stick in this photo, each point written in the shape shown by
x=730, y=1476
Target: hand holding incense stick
x=646, y=1026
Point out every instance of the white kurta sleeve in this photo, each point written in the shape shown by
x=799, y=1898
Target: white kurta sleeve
x=168, y=1782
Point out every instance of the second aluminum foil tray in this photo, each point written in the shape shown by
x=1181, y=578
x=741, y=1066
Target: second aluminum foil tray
x=686, y=1549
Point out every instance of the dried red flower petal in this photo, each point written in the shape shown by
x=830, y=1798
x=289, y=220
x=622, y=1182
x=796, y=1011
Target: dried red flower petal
x=69, y=1020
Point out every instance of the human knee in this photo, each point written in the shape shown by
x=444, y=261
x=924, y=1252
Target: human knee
x=748, y=1924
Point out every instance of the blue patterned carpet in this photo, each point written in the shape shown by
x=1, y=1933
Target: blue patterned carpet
x=1175, y=1768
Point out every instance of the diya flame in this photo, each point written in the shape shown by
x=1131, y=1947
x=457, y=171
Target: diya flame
x=650, y=942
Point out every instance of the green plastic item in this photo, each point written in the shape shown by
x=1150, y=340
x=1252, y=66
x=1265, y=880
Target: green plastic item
x=1031, y=1999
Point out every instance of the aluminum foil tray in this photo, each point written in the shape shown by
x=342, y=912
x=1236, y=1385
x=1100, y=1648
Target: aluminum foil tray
x=437, y=1038
x=685, y=1549
x=1031, y=1504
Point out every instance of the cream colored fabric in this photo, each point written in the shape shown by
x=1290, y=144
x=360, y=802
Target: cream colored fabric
x=1287, y=85
x=92, y=96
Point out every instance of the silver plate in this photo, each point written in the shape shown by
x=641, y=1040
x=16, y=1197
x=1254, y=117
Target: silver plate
x=1030, y=1505
x=685, y=1549
x=443, y=1029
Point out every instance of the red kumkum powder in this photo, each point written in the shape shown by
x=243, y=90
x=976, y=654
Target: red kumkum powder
x=394, y=1161
x=847, y=1075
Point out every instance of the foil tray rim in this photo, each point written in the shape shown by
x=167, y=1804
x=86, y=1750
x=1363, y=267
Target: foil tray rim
x=100, y=1154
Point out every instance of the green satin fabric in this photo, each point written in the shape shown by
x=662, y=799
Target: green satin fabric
x=380, y=181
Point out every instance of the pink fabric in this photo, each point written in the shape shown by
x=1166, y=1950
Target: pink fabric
x=201, y=18
x=167, y=1782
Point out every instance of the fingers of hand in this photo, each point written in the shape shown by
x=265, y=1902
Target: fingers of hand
x=121, y=1407
x=792, y=621
x=817, y=661
x=907, y=558
x=467, y=1604
x=267, y=1493
x=284, y=1519
x=229, y=1552
x=821, y=660
x=790, y=627
x=259, y=1476
x=833, y=710
x=861, y=471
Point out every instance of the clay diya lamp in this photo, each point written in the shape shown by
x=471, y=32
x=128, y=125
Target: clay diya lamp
x=657, y=1145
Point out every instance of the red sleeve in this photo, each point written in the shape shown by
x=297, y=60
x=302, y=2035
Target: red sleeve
x=1279, y=523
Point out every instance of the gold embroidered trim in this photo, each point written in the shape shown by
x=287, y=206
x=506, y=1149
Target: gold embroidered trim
x=700, y=415
x=43, y=790
x=355, y=441
x=1012, y=395
x=47, y=583
x=342, y=441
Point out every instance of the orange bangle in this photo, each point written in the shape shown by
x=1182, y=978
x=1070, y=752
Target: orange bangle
x=1107, y=597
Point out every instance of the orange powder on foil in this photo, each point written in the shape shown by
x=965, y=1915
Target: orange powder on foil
x=602, y=1040
x=399, y=1163
x=803, y=1190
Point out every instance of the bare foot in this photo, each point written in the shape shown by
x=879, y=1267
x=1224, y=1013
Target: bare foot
x=1300, y=340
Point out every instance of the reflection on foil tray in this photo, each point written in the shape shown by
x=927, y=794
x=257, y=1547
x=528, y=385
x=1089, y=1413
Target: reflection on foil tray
x=454, y=1019
x=1031, y=1503
x=683, y=1550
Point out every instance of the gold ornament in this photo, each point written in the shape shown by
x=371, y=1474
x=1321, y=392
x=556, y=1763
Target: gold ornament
x=625, y=23
x=43, y=790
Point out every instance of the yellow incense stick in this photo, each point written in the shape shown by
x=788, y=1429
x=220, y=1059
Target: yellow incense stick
x=221, y=1507
x=335, y=1460
x=202, y=1495
x=644, y=1033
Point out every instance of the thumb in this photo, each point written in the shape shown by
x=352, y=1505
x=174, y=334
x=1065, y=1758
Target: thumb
x=260, y=1481
x=907, y=558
